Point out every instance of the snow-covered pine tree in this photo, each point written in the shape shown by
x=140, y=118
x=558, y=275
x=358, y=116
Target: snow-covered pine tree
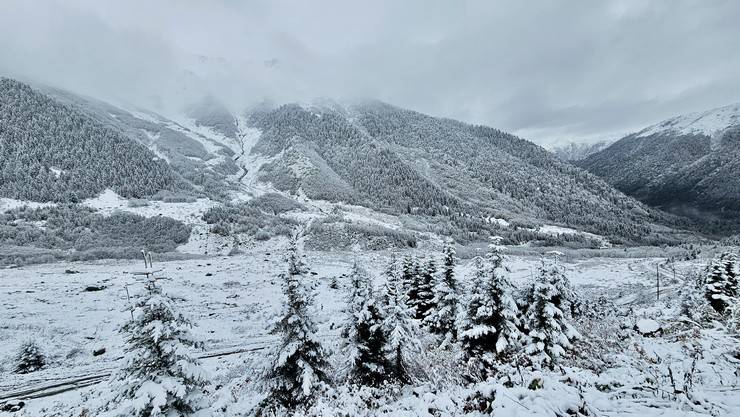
x=392, y=271
x=359, y=286
x=421, y=293
x=449, y=261
x=296, y=266
x=29, y=358
x=298, y=371
x=334, y=283
x=409, y=273
x=370, y=366
x=442, y=317
x=160, y=376
x=549, y=332
x=480, y=272
x=694, y=304
x=733, y=317
x=719, y=285
x=400, y=327
x=730, y=262
x=364, y=335
x=490, y=331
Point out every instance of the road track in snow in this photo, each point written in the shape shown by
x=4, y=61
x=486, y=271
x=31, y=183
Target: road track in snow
x=70, y=384
x=63, y=385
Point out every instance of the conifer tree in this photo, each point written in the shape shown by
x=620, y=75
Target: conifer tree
x=364, y=333
x=400, y=327
x=421, y=293
x=490, y=332
x=721, y=283
x=549, y=332
x=298, y=371
x=694, y=304
x=392, y=271
x=733, y=317
x=730, y=262
x=359, y=286
x=449, y=261
x=409, y=272
x=29, y=358
x=370, y=365
x=293, y=259
x=160, y=376
x=442, y=318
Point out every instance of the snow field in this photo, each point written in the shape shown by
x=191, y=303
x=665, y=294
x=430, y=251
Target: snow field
x=233, y=300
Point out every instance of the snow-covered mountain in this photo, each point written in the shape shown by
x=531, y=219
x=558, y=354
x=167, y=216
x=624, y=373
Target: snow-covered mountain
x=465, y=181
x=707, y=123
x=54, y=152
x=573, y=151
x=402, y=162
x=687, y=164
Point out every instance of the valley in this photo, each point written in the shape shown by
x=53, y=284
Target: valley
x=294, y=215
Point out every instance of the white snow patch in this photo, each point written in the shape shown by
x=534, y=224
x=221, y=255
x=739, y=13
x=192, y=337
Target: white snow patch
x=153, y=137
x=560, y=230
x=146, y=116
x=11, y=203
x=500, y=222
x=647, y=326
x=190, y=213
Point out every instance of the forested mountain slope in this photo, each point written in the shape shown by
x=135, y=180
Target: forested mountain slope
x=52, y=152
x=203, y=162
x=688, y=164
x=443, y=176
x=403, y=162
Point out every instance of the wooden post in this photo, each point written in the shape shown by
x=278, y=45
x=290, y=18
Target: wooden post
x=128, y=298
x=657, y=278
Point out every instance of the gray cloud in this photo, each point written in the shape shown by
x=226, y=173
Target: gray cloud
x=549, y=71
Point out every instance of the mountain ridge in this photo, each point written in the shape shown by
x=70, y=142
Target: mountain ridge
x=686, y=164
x=444, y=176
x=464, y=166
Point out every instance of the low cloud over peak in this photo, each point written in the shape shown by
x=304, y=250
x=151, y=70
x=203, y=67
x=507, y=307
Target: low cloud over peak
x=550, y=71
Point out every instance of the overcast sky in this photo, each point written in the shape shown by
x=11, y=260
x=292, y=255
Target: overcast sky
x=549, y=71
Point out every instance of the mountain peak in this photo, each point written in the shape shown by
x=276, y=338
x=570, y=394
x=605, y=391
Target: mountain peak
x=708, y=123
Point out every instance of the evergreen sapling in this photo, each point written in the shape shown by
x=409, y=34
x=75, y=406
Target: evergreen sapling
x=160, y=376
x=421, y=293
x=298, y=372
x=550, y=334
x=443, y=316
x=490, y=331
x=29, y=359
x=401, y=328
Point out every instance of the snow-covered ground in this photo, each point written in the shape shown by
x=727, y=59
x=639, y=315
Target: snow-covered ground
x=11, y=203
x=188, y=212
x=71, y=309
x=559, y=230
